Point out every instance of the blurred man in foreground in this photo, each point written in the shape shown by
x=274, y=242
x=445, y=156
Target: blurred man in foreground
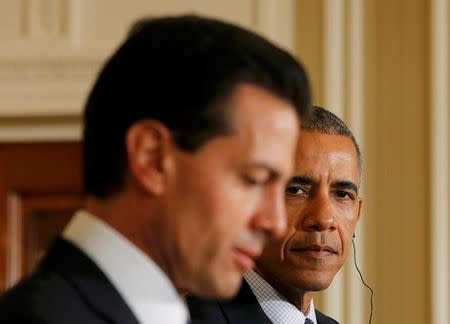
x=189, y=139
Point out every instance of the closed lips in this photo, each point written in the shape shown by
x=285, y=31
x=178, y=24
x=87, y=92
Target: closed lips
x=314, y=248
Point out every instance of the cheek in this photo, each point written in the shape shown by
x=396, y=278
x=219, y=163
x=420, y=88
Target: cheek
x=346, y=235
x=215, y=211
x=236, y=206
x=217, y=217
x=294, y=210
x=274, y=253
x=283, y=245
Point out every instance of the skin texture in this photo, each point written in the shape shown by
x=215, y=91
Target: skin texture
x=323, y=208
x=204, y=216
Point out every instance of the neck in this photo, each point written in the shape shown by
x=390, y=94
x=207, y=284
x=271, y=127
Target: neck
x=299, y=297
x=142, y=229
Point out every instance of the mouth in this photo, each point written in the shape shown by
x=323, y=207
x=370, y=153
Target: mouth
x=315, y=251
x=245, y=258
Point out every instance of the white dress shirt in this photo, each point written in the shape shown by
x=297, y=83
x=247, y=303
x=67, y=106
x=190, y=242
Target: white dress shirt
x=142, y=284
x=274, y=305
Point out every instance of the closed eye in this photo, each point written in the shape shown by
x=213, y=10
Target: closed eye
x=254, y=181
x=259, y=176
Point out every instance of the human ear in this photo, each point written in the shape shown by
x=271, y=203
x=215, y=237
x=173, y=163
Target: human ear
x=147, y=145
x=358, y=215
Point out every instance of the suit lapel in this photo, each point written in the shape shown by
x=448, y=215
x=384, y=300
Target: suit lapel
x=244, y=308
x=92, y=285
x=323, y=319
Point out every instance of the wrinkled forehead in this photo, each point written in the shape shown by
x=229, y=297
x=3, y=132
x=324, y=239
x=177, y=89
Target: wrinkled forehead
x=319, y=154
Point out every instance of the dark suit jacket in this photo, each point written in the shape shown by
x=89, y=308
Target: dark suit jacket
x=243, y=309
x=67, y=288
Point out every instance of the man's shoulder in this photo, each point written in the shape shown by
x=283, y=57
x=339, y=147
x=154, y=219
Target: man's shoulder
x=243, y=308
x=67, y=287
x=45, y=297
x=203, y=311
x=324, y=319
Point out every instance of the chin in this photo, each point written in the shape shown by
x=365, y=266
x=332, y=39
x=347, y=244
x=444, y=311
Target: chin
x=315, y=283
x=230, y=288
x=220, y=288
x=308, y=280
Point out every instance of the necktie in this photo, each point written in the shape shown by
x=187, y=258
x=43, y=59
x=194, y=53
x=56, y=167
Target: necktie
x=308, y=321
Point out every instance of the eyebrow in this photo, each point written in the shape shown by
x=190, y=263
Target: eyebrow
x=273, y=174
x=342, y=184
x=301, y=180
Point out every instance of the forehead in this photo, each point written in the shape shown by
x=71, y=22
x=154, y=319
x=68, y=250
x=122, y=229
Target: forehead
x=264, y=127
x=252, y=107
x=259, y=116
x=320, y=154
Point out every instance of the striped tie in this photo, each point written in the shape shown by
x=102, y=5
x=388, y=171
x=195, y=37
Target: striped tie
x=308, y=321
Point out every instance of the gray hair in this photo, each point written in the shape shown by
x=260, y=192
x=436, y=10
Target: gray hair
x=324, y=121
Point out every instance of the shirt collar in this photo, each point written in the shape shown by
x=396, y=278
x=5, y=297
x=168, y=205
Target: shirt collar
x=142, y=284
x=275, y=305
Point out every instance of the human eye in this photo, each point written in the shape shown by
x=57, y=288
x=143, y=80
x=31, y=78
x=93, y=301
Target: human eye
x=256, y=177
x=344, y=195
x=251, y=180
x=294, y=189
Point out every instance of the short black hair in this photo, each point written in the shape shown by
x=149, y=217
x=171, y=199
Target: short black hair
x=178, y=70
x=324, y=121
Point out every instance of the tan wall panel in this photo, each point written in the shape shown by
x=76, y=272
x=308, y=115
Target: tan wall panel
x=309, y=43
x=397, y=159
x=106, y=21
x=55, y=48
x=9, y=10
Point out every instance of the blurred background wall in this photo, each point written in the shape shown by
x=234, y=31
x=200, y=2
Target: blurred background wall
x=382, y=65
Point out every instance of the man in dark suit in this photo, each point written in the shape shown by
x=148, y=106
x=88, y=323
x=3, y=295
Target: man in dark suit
x=323, y=207
x=189, y=138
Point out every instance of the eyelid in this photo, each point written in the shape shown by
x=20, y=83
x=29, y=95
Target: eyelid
x=297, y=184
x=257, y=179
x=350, y=193
x=250, y=180
x=301, y=187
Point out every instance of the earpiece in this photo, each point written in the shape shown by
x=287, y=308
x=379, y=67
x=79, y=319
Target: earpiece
x=362, y=280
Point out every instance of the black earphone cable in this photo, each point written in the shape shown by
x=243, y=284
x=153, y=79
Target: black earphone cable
x=363, y=281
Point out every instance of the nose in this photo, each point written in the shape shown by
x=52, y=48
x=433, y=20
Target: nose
x=318, y=214
x=271, y=217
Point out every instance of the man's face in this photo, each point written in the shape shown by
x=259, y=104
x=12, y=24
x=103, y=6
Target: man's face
x=323, y=207
x=228, y=197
